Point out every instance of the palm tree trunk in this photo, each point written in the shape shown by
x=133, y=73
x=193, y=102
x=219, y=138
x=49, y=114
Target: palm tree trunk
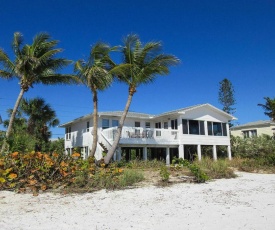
x=93, y=150
x=111, y=152
x=9, y=130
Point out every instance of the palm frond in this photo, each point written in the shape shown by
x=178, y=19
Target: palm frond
x=17, y=42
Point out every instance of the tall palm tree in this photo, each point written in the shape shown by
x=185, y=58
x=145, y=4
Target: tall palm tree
x=269, y=107
x=142, y=63
x=40, y=117
x=33, y=64
x=96, y=74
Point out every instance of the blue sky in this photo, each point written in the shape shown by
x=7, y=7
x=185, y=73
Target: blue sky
x=213, y=39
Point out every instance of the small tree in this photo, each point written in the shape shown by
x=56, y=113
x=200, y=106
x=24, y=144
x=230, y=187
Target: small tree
x=226, y=96
x=269, y=107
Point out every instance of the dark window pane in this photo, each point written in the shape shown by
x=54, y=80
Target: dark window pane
x=137, y=124
x=194, y=127
x=176, y=124
x=209, y=127
x=217, y=128
x=105, y=123
x=202, y=132
x=184, y=126
x=224, y=129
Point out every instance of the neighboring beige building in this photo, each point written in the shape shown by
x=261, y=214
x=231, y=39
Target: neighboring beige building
x=253, y=129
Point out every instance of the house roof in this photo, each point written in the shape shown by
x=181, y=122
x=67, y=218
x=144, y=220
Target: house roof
x=254, y=124
x=186, y=109
x=109, y=113
x=149, y=116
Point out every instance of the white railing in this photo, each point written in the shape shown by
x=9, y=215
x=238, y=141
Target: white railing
x=141, y=133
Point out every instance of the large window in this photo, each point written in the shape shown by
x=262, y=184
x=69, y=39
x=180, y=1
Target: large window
x=193, y=127
x=68, y=133
x=216, y=128
x=105, y=123
x=165, y=125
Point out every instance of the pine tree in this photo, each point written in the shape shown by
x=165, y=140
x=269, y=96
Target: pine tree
x=226, y=96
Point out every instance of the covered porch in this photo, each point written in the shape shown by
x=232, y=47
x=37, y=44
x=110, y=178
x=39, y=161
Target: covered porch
x=167, y=153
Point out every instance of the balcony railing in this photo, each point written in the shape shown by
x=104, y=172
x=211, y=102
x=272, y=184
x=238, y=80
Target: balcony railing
x=142, y=133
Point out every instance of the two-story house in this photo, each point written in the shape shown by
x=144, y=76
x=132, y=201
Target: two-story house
x=181, y=133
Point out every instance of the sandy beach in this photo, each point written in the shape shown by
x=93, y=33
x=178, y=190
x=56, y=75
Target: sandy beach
x=246, y=202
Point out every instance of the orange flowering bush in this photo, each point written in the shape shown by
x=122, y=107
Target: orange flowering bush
x=36, y=171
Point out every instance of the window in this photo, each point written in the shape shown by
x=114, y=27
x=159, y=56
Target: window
x=165, y=125
x=88, y=126
x=137, y=124
x=68, y=133
x=105, y=123
x=216, y=129
x=201, y=123
x=114, y=123
x=250, y=133
x=158, y=126
x=184, y=126
x=174, y=124
x=193, y=127
x=224, y=129
x=147, y=125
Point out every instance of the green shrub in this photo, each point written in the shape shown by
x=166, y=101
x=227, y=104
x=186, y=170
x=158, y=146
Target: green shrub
x=216, y=169
x=261, y=146
x=164, y=173
x=199, y=175
x=130, y=177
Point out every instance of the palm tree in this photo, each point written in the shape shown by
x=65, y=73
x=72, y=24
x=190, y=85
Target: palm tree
x=96, y=74
x=33, y=64
x=269, y=107
x=40, y=118
x=142, y=64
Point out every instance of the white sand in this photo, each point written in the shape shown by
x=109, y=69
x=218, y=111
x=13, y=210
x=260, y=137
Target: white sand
x=247, y=202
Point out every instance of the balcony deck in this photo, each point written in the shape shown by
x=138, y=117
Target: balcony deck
x=132, y=135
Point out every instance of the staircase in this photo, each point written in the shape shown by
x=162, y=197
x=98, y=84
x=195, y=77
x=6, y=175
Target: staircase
x=104, y=147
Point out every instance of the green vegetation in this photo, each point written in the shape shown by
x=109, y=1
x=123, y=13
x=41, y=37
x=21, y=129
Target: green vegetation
x=164, y=173
x=269, y=107
x=33, y=64
x=200, y=175
x=37, y=171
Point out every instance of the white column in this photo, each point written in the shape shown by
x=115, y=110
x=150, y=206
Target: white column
x=167, y=156
x=199, y=151
x=214, y=152
x=145, y=153
x=181, y=151
x=229, y=152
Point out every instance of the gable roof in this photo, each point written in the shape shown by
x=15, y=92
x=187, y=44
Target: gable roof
x=190, y=108
x=150, y=116
x=253, y=124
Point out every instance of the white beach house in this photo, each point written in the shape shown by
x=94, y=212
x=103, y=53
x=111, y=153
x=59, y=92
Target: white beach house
x=163, y=136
